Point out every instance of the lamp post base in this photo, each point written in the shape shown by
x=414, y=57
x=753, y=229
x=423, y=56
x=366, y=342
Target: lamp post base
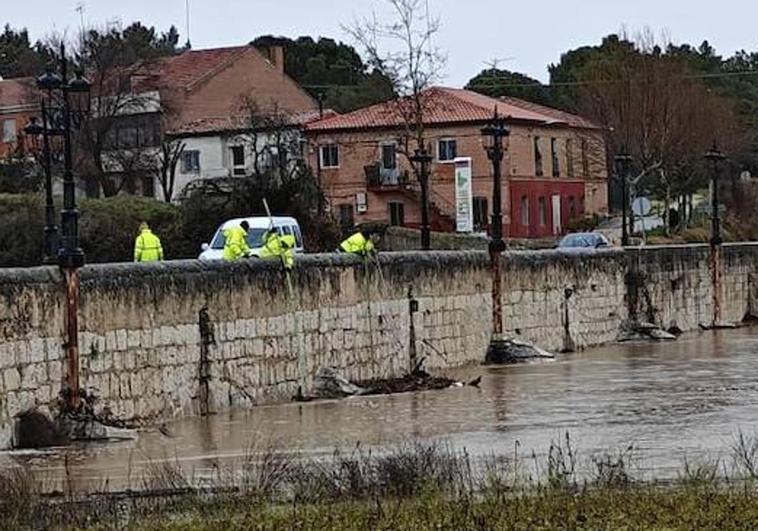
x=511, y=351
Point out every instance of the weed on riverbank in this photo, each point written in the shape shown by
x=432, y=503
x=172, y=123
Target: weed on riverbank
x=409, y=486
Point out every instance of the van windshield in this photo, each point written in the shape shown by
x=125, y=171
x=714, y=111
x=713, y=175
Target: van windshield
x=254, y=239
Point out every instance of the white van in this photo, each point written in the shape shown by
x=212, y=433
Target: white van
x=258, y=227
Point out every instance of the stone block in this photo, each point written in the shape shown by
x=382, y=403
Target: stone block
x=12, y=379
x=37, y=350
x=121, y=340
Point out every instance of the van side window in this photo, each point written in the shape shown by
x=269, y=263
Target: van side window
x=298, y=237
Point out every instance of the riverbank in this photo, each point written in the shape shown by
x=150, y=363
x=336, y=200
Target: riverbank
x=410, y=486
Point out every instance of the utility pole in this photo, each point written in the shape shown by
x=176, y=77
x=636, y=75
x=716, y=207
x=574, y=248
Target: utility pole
x=496, y=131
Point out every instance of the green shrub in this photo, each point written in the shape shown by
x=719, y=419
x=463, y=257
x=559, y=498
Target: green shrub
x=108, y=227
x=584, y=224
x=21, y=224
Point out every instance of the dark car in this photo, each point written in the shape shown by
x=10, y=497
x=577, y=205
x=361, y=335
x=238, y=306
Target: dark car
x=583, y=241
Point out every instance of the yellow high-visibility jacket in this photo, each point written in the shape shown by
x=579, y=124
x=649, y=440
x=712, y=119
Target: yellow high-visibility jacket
x=147, y=247
x=357, y=244
x=235, y=244
x=281, y=247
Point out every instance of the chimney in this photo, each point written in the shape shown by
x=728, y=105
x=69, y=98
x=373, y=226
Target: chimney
x=276, y=57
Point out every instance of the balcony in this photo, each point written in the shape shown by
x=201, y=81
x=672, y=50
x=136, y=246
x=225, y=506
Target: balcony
x=383, y=178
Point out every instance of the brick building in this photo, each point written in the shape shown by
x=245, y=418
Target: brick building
x=196, y=96
x=555, y=166
x=18, y=103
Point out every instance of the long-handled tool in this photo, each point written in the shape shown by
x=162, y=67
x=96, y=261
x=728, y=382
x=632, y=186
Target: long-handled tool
x=297, y=341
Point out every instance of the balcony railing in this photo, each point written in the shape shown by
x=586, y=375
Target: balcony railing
x=378, y=177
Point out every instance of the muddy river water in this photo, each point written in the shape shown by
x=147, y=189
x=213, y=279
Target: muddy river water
x=669, y=400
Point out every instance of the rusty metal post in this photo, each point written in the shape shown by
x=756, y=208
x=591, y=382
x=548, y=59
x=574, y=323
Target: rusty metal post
x=715, y=157
x=497, y=131
x=717, y=276
x=72, y=339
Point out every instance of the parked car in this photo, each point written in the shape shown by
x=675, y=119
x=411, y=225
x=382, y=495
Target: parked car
x=258, y=227
x=582, y=241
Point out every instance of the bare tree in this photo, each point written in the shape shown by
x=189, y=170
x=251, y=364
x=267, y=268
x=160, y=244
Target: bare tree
x=110, y=59
x=164, y=169
x=402, y=48
x=273, y=138
x=657, y=112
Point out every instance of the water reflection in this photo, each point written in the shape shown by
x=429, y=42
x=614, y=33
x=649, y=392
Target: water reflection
x=669, y=400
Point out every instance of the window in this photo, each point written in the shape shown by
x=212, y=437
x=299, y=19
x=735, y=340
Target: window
x=569, y=157
x=585, y=160
x=537, y=157
x=543, y=211
x=480, y=213
x=447, y=149
x=397, y=213
x=191, y=161
x=525, y=210
x=127, y=137
x=389, y=156
x=238, y=160
x=330, y=156
x=9, y=130
x=572, y=207
x=554, y=157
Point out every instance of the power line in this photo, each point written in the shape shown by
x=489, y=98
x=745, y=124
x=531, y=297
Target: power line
x=556, y=84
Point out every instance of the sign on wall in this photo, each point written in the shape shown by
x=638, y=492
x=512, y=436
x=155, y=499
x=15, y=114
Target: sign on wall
x=464, y=200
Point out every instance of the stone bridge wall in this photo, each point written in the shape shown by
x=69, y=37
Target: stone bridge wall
x=178, y=338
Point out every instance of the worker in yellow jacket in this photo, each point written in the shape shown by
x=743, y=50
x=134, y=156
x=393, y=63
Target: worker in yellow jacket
x=360, y=243
x=147, y=246
x=235, y=242
x=281, y=246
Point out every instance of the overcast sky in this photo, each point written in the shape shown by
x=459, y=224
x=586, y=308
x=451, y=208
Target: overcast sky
x=526, y=35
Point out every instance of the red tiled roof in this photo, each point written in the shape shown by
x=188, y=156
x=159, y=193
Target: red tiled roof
x=17, y=92
x=185, y=69
x=220, y=124
x=448, y=105
x=557, y=115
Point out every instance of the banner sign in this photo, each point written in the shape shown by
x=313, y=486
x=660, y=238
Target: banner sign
x=464, y=200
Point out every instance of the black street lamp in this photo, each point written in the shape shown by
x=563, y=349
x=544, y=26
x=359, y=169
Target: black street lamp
x=496, y=131
x=422, y=159
x=65, y=105
x=50, y=238
x=623, y=162
x=715, y=157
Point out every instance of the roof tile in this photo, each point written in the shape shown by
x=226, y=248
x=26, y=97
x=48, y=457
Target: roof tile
x=448, y=105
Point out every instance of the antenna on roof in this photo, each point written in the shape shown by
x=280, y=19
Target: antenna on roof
x=187, y=13
x=80, y=8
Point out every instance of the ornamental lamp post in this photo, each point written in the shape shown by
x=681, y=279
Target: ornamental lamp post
x=50, y=237
x=623, y=162
x=494, y=132
x=65, y=106
x=715, y=158
x=421, y=160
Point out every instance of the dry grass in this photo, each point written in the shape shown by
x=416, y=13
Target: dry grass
x=409, y=486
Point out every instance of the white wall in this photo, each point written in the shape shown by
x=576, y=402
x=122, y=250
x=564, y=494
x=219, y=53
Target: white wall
x=215, y=157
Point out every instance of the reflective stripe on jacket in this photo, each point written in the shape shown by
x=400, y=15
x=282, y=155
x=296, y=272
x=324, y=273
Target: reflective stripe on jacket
x=357, y=244
x=235, y=244
x=147, y=247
